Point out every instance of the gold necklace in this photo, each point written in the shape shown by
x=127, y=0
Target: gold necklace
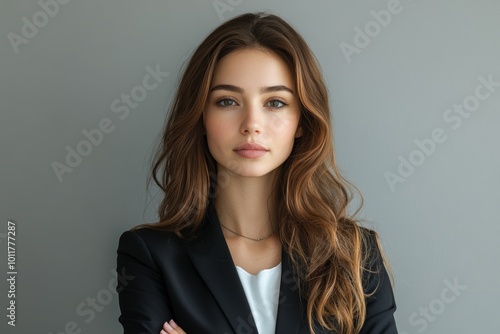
x=241, y=235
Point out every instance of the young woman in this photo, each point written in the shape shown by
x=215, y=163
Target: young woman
x=253, y=233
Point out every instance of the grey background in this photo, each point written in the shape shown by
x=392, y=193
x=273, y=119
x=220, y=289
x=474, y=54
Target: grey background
x=440, y=226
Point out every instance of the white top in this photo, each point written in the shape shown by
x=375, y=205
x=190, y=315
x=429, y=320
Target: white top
x=262, y=292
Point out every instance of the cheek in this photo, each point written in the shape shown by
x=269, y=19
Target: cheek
x=217, y=130
x=283, y=126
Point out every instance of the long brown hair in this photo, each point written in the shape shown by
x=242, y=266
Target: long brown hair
x=311, y=197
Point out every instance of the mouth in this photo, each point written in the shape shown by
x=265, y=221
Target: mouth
x=251, y=150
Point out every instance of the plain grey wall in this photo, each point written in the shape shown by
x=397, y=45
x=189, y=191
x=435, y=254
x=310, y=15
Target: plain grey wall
x=416, y=104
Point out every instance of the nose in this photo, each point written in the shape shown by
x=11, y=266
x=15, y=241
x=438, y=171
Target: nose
x=252, y=120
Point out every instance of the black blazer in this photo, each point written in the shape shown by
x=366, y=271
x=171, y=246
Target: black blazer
x=162, y=277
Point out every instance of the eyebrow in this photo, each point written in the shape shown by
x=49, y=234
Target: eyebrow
x=263, y=90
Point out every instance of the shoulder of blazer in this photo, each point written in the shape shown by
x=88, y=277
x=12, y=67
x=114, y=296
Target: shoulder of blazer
x=374, y=260
x=155, y=237
x=169, y=246
x=153, y=246
x=377, y=285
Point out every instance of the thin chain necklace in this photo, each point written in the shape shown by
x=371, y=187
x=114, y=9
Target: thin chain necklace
x=241, y=235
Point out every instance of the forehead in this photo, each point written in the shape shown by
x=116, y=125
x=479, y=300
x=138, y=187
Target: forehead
x=255, y=68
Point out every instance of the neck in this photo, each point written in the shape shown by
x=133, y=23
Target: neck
x=243, y=205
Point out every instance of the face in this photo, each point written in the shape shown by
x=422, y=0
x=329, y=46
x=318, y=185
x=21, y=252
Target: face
x=252, y=100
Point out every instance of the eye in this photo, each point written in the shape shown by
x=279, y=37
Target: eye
x=225, y=102
x=277, y=104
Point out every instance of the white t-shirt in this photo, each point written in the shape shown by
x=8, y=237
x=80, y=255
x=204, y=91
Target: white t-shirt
x=262, y=292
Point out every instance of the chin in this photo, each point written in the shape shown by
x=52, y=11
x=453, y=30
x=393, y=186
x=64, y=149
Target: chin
x=255, y=172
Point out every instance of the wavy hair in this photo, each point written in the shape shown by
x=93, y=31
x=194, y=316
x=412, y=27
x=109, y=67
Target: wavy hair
x=311, y=197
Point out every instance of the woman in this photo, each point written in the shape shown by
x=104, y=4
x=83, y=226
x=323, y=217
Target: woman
x=253, y=233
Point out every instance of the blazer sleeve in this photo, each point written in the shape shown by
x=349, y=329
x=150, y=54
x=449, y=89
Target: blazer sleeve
x=142, y=295
x=380, y=306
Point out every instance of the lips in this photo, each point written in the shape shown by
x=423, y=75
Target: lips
x=250, y=150
x=250, y=146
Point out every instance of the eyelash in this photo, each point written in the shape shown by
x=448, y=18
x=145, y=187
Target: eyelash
x=226, y=98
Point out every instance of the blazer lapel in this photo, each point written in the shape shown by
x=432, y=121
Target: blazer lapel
x=211, y=257
x=290, y=311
